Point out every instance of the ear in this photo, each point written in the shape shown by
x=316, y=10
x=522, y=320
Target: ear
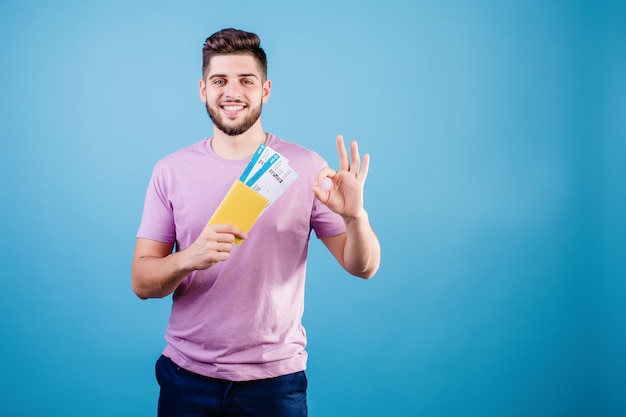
x=267, y=87
x=202, y=87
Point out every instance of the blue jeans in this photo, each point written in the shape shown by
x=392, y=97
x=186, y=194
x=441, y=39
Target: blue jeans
x=187, y=394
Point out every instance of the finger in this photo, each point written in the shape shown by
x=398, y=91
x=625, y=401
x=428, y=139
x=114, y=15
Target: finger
x=224, y=247
x=365, y=167
x=226, y=233
x=324, y=173
x=344, y=163
x=218, y=247
x=320, y=194
x=240, y=233
x=221, y=256
x=234, y=230
x=356, y=159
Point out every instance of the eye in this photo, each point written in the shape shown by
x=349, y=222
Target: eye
x=219, y=81
x=247, y=81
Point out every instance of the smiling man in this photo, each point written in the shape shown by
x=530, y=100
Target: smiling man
x=217, y=93
x=235, y=341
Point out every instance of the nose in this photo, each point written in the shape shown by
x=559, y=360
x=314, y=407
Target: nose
x=232, y=90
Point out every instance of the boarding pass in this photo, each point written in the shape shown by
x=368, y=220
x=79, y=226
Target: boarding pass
x=268, y=173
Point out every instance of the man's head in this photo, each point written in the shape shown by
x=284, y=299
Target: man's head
x=234, y=82
x=233, y=42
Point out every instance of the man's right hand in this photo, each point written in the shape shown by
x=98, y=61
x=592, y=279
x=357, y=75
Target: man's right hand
x=157, y=272
x=213, y=245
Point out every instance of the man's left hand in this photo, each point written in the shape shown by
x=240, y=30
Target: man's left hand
x=345, y=195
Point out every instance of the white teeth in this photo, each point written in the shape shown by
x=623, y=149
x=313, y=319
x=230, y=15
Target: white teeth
x=233, y=108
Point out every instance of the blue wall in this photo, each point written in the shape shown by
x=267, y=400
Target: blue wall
x=497, y=187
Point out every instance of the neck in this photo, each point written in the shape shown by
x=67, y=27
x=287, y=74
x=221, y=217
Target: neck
x=240, y=146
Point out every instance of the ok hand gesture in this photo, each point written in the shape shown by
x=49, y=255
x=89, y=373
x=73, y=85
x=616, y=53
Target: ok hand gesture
x=345, y=195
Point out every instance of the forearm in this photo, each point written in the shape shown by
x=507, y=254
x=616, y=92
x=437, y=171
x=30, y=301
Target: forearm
x=157, y=272
x=361, y=253
x=157, y=277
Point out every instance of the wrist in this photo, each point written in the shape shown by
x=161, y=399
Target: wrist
x=183, y=262
x=360, y=216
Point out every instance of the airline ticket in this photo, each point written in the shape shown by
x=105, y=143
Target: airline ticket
x=268, y=173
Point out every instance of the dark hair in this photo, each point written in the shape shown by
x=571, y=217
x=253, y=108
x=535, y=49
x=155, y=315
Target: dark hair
x=233, y=42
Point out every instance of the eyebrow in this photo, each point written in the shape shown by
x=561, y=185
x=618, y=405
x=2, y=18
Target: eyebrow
x=238, y=76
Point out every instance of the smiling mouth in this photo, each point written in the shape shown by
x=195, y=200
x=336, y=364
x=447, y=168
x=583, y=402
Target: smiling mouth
x=233, y=107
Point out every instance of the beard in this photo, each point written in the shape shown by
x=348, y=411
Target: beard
x=237, y=129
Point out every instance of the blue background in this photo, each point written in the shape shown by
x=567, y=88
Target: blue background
x=498, y=139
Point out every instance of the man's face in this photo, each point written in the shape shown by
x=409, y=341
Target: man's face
x=234, y=92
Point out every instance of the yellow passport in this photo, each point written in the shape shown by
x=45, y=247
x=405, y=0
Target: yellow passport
x=241, y=207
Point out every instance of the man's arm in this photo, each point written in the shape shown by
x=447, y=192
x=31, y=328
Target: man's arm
x=358, y=249
x=157, y=272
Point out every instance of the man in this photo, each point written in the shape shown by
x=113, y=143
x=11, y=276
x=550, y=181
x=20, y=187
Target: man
x=235, y=343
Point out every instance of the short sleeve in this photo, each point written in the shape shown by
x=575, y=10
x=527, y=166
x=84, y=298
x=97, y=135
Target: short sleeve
x=157, y=220
x=325, y=222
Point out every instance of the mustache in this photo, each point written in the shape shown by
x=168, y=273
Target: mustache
x=238, y=101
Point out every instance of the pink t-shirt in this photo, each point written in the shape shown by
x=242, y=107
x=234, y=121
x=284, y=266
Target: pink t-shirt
x=240, y=319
